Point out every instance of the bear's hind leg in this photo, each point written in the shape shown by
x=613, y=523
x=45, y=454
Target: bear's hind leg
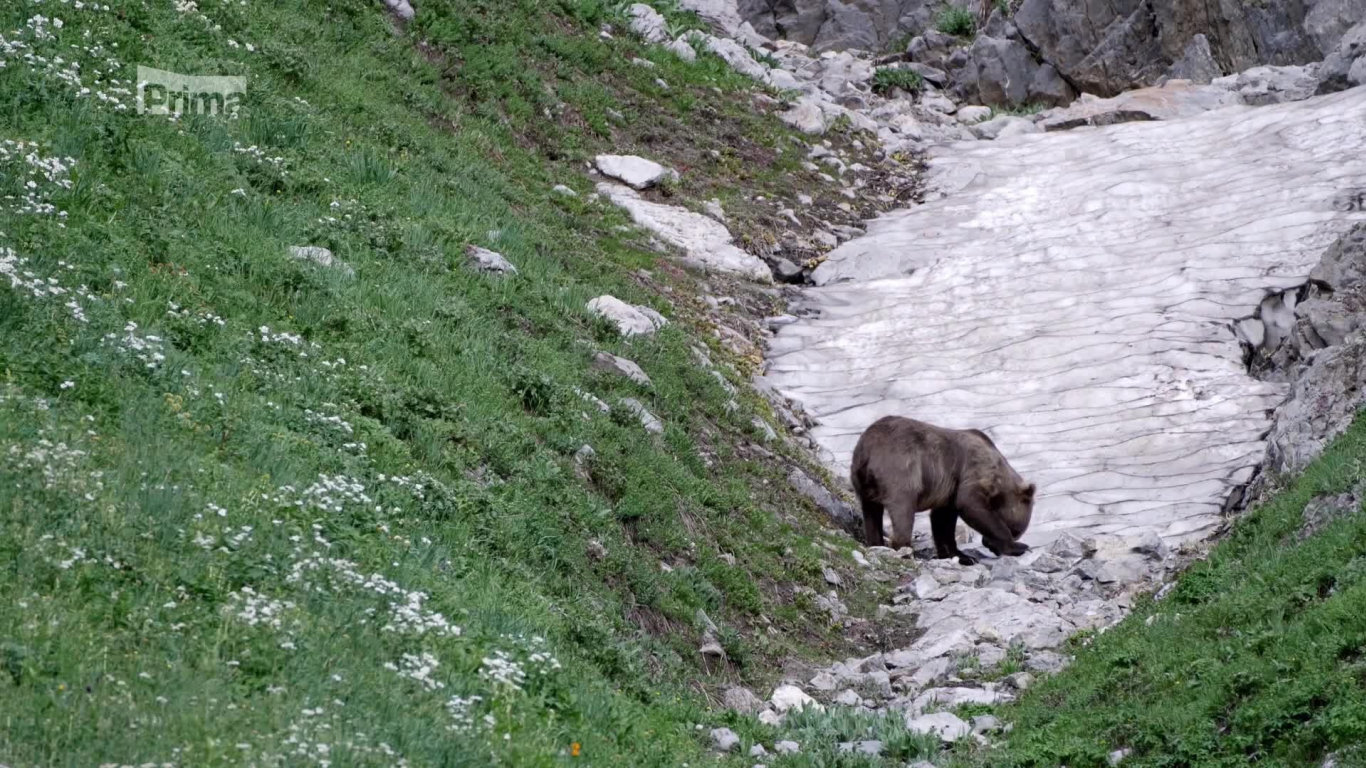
x=903, y=522
x=872, y=523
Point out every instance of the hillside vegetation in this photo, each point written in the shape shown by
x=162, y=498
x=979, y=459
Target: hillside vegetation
x=258, y=510
x=1253, y=657
x=262, y=511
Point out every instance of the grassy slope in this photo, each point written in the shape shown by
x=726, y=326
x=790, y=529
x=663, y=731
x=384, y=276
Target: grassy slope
x=213, y=536
x=1254, y=658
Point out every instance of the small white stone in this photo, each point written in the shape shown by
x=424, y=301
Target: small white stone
x=636, y=172
x=791, y=698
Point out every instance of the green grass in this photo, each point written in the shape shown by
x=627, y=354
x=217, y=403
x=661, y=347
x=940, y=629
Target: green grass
x=1254, y=658
x=247, y=499
x=956, y=21
x=887, y=79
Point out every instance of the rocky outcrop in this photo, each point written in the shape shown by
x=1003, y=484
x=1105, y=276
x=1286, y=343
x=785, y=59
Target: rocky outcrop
x=1006, y=73
x=1048, y=51
x=1106, y=48
x=1312, y=337
x=1345, y=66
x=826, y=25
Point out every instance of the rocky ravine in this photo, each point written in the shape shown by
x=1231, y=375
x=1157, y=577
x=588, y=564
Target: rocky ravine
x=1122, y=292
x=1048, y=51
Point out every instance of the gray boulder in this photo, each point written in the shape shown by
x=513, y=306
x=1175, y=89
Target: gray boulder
x=1260, y=86
x=1328, y=21
x=1325, y=398
x=1005, y=69
x=724, y=739
x=1343, y=265
x=1345, y=66
x=830, y=25
x=1049, y=89
x=931, y=48
x=648, y=23
x=1196, y=64
x=836, y=509
x=741, y=700
x=605, y=361
x=489, y=261
x=948, y=727
x=1005, y=125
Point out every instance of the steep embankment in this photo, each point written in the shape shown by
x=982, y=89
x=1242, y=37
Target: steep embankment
x=380, y=425
x=297, y=471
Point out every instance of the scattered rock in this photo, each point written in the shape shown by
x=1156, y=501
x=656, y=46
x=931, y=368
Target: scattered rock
x=736, y=56
x=787, y=748
x=648, y=420
x=806, y=116
x=321, y=256
x=1151, y=545
x=769, y=717
x=1323, y=510
x=631, y=320
x=839, y=512
x=787, y=272
x=824, y=681
x=561, y=189
x=757, y=751
x=791, y=698
x=706, y=243
x=724, y=739
x=939, y=103
x=400, y=8
x=1271, y=85
x=683, y=49
x=869, y=747
x=948, y=727
x=604, y=361
x=985, y=724
x=648, y=23
x=848, y=697
x=972, y=115
x=1116, y=757
x=596, y=550
x=636, y=172
x=489, y=261
x=949, y=698
x=1005, y=125
x=929, y=673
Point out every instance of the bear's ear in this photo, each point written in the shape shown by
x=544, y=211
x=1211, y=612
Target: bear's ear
x=1027, y=493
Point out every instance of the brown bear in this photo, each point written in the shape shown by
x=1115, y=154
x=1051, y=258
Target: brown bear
x=905, y=466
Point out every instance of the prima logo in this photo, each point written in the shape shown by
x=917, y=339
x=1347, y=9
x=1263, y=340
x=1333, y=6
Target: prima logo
x=169, y=93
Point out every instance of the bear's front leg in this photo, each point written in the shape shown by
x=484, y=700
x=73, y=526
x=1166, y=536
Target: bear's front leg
x=943, y=522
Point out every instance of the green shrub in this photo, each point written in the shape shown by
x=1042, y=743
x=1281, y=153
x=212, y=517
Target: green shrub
x=888, y=79
x=956, y=21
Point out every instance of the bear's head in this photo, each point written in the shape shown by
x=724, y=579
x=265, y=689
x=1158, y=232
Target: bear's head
x=1014, y=503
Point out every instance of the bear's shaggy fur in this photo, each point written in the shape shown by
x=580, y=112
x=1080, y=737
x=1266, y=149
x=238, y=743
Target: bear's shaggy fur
x=905, y=466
